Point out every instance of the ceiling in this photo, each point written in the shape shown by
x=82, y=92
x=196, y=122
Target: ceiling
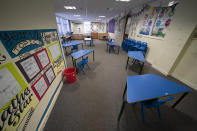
x=89, y=10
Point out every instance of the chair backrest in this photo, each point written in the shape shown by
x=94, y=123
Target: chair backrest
x=75, y=47
x=138, y=43
x=85, y=60
x=144, y=44
x=133, y=42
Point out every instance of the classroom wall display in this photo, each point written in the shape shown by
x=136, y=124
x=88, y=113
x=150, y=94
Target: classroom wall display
x=153, y=21
x=29, y=67
x=40, y=87
x=16, y=98
x=53, y=51
x=50, y=75
x=98, y=27
x=29, y=63
x=42, y=58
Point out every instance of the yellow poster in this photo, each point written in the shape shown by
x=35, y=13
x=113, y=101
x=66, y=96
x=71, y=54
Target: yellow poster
x=16, y=98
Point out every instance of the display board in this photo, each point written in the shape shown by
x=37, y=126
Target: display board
x=30, y=60
x=151, y=21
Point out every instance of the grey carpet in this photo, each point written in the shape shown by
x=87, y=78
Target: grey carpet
x=93, y=102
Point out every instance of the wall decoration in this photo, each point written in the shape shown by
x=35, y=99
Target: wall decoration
x=162, y=22
x=49, y=37
x=29, y=67
x=50, y=75
x=40, y=87
x=42, y=58
x=16, y=98
x=53, y=51
x=58, y=65
x=2, y=58
x=20, y=42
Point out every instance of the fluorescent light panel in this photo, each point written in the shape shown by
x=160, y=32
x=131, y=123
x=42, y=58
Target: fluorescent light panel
x=102, y=16
x=77, y=15
x=70, y=7
x=124, y=0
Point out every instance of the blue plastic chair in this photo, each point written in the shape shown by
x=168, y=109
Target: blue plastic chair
x=82, y=63
x=132, y=45
x=75, y=47
x=137, y=45
x=155, y=103
x=143, y=48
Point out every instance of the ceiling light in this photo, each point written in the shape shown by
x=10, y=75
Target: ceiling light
x=102, y=16
x=98, y=19
x=170, y=3
x=124, y=0
x=77, y=15
x=70, y=7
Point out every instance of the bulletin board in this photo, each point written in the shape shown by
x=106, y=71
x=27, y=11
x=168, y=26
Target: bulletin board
x=30, y=60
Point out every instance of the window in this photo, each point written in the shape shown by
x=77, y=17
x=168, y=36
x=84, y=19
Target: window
x=63, y=26
x=87, y=27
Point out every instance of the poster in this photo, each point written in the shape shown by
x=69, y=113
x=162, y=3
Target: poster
x=40, y=87
x=50, y=75
x=53, y=51
x=9, y=86
x=162, y=22
x=29, y=67
x=42, y=58
x=19, y=42
x=49, y=37
x=18, y=101
x=58, y=65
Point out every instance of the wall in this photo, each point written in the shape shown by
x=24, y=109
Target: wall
x=163, y=53
x=76, y=27
x=119, y=30
x=30, y=15
x=186, y=68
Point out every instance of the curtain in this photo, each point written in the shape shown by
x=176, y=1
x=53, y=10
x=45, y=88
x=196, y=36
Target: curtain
x=112, y=26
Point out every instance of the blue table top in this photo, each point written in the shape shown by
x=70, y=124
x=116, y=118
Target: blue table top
x=149, y=86
x=80, y=53
x=72, y=43
x=113, y=43
x=138, y=55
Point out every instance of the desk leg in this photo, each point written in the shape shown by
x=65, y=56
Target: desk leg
x=82, y=45
x=179, y=100
x=118, y=49
x=123, y=104
x=66, y=51
x=141, y=68
x=93, y=55
x=127, y=62
x=73, y=62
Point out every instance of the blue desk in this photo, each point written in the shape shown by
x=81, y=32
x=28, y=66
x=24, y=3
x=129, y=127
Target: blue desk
x=79, y=54
x=110, y=43
x=90, y=40
x=72, y=44
x=136, y=56
x=149, y=86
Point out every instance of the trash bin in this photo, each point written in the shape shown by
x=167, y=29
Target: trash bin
x=70, y=74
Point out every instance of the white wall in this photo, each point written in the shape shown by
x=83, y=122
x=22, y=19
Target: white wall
x=186, y=68
x=25, y=15
x=76, y=26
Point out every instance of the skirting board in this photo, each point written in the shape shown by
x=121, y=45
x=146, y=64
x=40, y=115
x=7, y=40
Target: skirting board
x=156, y=68
x=48, y=110
x=184, y=81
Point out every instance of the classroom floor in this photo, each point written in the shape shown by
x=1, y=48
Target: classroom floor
x=93, y=102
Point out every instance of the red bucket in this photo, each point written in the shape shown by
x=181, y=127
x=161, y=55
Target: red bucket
x=70, y=74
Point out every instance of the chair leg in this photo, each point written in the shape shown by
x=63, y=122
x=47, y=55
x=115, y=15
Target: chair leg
x=82, y=69
x=88, y=66
x=142, y=111
x=159, y=113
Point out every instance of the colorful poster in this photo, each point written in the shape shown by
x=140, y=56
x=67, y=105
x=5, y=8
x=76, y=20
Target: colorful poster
x=15, y=103
x=40, y=87
x=28, y=67
x=162, y=22
x=50, y=75
x=42, y=58
x=58, y=65
x=54, y=51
